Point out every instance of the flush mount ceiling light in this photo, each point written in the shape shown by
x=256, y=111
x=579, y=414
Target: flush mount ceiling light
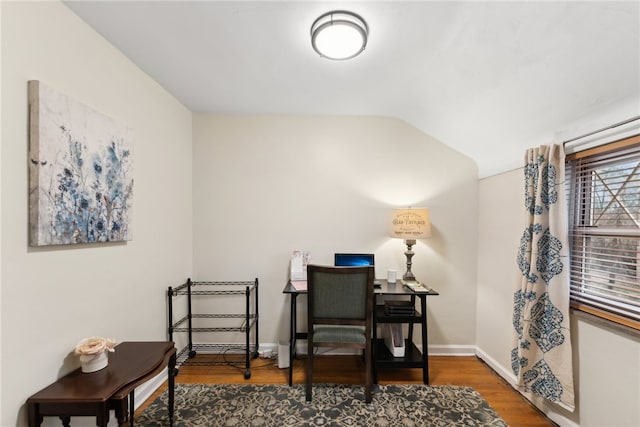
x=339, y=35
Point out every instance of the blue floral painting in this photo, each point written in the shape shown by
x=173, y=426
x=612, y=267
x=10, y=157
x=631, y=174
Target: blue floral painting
x=80, y=172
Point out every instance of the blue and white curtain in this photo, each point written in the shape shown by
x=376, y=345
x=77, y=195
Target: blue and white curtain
x=541, y=358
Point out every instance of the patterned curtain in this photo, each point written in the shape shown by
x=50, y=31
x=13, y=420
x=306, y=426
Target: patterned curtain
x=541, y=357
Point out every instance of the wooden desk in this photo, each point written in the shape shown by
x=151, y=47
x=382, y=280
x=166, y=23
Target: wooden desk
x=413, y=358
x=96, y=393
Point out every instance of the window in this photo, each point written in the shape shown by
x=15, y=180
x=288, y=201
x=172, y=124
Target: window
x=604, y=230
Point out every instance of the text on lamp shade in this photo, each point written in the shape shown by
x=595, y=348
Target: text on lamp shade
x=410, y=223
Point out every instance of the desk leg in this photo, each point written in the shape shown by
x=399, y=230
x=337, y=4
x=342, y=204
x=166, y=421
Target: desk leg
x=410, y=332
x=102, y=417
x=172, y=384
x=132, y=406
x=292, y=335
x=122, y=411
x=35, y=419
x=374, y=342
x=425, y=343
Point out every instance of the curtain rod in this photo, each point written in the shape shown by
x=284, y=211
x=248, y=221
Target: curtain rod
x=615, y=125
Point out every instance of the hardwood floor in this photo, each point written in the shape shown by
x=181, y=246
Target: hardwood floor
x=449, y=370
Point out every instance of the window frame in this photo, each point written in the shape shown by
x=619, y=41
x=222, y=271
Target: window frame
x=622, y=145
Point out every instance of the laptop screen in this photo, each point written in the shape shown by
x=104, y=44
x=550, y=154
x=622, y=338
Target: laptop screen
x=353, y=260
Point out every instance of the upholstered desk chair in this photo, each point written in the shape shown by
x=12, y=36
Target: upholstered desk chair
x=340, y=314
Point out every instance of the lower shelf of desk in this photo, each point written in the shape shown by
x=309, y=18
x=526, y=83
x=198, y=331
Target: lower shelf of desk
x=383, y=358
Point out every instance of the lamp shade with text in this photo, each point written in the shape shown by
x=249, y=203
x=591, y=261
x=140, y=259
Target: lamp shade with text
x=410, y=224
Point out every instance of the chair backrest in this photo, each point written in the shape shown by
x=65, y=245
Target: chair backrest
x=340, y=295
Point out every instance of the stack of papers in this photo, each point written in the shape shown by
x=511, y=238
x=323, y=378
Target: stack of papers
x=416, y=286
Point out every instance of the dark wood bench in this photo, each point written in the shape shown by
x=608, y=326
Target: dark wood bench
x=96, y=393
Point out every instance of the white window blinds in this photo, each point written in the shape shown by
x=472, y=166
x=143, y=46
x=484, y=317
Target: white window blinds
x=604, y=230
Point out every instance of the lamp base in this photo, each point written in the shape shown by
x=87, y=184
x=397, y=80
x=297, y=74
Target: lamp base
x=408, y=275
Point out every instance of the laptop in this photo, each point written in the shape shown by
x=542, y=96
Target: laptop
x=355, y=260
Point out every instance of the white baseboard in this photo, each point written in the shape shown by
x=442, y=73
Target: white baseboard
x=434, y=350
x=505, y=373
x=547, y=408
x=301, y=348
x=144, y=391
x=451, y=350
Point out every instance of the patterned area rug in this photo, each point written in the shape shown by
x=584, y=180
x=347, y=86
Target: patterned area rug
x=402, y=405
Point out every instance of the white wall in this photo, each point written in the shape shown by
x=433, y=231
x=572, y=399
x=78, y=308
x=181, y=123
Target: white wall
x=53, y=297
x=500, y=228
x=606, y=360
x=267, y=185
x=1, y=96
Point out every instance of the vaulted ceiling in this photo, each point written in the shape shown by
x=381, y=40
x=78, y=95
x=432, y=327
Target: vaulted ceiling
x=489, y=79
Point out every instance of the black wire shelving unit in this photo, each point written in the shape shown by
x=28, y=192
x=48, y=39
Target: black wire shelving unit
x=192, y=323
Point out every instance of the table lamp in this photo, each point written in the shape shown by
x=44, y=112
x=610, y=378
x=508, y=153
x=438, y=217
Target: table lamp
x=410, y=224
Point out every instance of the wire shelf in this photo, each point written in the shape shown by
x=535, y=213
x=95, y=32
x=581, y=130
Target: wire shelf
x=193, y=322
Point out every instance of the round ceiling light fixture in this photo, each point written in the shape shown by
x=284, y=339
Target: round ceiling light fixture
x=339, y=35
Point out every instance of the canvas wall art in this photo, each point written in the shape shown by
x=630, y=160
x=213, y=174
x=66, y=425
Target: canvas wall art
x=80, y=172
